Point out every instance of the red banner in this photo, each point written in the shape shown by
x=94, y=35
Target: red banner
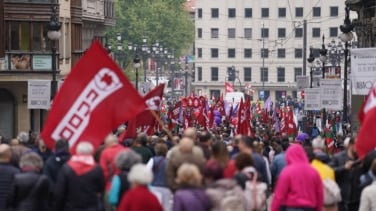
x=95, y=98
x=365, y=142
x=145, y=120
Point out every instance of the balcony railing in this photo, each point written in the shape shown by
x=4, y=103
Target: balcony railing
x=19, y=61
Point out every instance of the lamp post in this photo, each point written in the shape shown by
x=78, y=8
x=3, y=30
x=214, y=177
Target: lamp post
x=335, y=53
x=310, y=60
x=346, y=36
x=136, y=63
x=323, y=56
x=119, y=48
x=323, y=59
x=54, y=34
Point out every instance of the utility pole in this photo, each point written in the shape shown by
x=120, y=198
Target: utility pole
x=263, y=62
x=304, y=47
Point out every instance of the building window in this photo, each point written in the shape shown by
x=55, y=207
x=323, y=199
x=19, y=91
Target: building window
x=281, y=12
x=28, y=37
x=280, y=95
x=264, y=74
x=316, y=32
x=281, y=74
x=214, y=12
x=264, y=53
x=199, y=52
x=248, y=53
x=199, y=73
x=298, y=53
x=199, y=32
x=214, y=73
x=214, y=32
x=231, y=53
x=231, y=33
x=247, y=74
x=316, y=11
x=333, y=31
x=264, y=32
x=297, y=72
x=248, y=12
x=281, y=53
x=264, y=12
x=231, y=12
x=199, y=13
x=333, y=11
x=299, y=12
x=298, y=32
x=214, y=53
x=248, y=33
x=281, y=32
x=215, y=93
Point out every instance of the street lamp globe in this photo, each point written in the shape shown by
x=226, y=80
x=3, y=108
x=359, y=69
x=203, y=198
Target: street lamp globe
x=54, y=26
x=323, y=58
x=136, y=61
x=346, y=37
x=118, y=37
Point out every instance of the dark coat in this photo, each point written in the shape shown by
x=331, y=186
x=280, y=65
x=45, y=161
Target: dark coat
x=79, y=193
x=29, y=192
x=7, y=173
x=53, y=165
x=347, y=180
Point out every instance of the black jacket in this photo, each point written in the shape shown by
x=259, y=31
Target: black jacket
x=7, y=173
x=79, y=193
x=347, y=180
x=53, y=165
x=29, y=192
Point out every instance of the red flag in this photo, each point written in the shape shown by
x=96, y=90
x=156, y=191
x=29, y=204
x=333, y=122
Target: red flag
x=244, y=117
x=145, y=119
x=366, y=141
x=229, y=87
x=91, y=102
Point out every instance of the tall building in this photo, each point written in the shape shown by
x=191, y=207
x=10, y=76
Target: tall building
x=25, y=51
x=262, y=41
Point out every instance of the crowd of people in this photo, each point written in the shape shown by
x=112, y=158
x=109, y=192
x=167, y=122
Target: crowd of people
x=195, y=170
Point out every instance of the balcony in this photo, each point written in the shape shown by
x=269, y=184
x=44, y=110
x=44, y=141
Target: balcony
x=26, y=62
x=93, y=10
x=109, y=13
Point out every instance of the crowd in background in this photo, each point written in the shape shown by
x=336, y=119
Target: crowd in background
x=195, y=170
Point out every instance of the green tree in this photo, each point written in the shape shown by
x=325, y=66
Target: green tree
x=163, y=21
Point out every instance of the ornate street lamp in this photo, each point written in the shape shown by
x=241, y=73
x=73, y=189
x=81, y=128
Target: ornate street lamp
x=54, y=34
x=323, y=56
x=346, y=37
x=310, y=60
x=136, y=63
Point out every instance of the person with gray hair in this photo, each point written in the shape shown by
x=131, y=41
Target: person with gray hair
x=139, y=197
x=23, y=137
x=30, y=190
x=80, y=182
x=120, y=184
x=8, y=171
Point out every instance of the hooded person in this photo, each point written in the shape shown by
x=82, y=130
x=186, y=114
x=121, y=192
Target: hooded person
x=299, y=186
x=54, y=163
x=80, y=182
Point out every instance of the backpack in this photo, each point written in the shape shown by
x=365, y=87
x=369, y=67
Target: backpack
x=332, y=192
x=255, y=194
x=226, y=196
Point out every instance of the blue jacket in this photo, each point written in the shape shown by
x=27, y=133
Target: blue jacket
x=278, y=164
x=260, y=166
